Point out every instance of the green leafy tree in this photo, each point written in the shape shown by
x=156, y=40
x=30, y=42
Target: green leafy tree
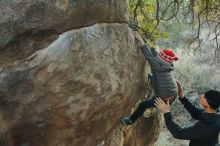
x=158, y=19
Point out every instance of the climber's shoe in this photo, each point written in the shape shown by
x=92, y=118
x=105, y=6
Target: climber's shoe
x=126, y=121
x=150, y=76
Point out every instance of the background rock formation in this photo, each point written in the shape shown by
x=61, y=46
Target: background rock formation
x=69, y=71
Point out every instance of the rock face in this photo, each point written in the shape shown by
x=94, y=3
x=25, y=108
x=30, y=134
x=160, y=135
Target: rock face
x=72, y=89
x=144, y=132
x=27, y=25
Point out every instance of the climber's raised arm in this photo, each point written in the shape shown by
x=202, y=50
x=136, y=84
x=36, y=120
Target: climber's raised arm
x=139, y=38
x=143, y=46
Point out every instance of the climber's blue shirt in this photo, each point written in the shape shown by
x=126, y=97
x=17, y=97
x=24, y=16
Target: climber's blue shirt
x=205, y=132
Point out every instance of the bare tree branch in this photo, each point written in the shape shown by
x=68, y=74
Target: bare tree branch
x=136, y=7
x=202, y=12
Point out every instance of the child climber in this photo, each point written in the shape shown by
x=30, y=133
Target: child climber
x=163, y=81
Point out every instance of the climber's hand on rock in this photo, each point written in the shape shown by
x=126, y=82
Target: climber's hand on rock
x=139, y=38
x=162, y=106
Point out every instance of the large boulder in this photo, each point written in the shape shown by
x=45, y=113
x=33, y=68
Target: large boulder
x=67, y=76
x=27, y=26
x=74, y=91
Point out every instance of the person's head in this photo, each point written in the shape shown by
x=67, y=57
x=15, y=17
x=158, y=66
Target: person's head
x=167, y=56
x=211, y=99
